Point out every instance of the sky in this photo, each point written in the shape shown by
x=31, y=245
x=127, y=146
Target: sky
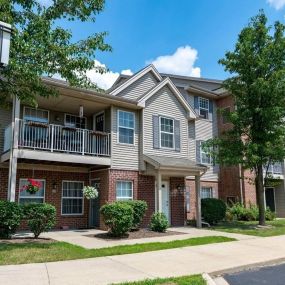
x=184, y=37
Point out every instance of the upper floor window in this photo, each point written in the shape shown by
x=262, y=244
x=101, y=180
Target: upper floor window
x=73, y=121
x=205, y=156
x=206, y=192
x=225, y=118
x=26, y=197
x=204, y=108
x=166, y=132
x=36, y=115
x=124, y=190
x=126, y=126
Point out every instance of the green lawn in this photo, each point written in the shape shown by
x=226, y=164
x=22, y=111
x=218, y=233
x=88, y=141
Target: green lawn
x=249, y=228
x=184, y=280
x=35, y=252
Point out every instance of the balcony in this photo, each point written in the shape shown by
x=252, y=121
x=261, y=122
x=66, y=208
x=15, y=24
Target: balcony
x=56, y=142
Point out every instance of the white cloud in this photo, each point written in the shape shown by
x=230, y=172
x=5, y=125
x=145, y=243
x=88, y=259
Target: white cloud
x=106, y=80
x=277, y=4
x=181, y=62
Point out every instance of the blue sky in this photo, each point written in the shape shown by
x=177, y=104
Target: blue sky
x=185, y=37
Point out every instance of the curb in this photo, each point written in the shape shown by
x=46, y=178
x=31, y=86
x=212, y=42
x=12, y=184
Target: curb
x=208, y=279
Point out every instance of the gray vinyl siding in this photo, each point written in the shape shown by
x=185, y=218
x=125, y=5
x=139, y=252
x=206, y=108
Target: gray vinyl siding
x=139, y=87
x=124, y=156
x=280, y=201
x=5, y=120
x=165, y=103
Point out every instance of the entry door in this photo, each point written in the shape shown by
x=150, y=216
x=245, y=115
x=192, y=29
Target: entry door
x=270, y=198
x=94, y=214
x=99, y=122
x=165, y=201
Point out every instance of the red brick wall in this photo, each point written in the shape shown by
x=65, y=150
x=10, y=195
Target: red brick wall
x=249, y=188
x=53, y=198
x=177, y=201
x=146, y=192
x=4, y=172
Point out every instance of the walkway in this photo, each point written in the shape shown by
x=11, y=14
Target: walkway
x=173, y=262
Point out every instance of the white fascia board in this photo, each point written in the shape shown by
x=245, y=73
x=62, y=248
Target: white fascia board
x=149, y=68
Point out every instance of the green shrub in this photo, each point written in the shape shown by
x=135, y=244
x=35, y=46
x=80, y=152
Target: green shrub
x=159, y=222
x=139, y=208
x=118, y=217
x=10, y=218
x=213, y=210
x=269, y=215
x=40, y=217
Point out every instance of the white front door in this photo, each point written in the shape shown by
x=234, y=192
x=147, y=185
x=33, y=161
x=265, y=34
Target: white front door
x=165, y=203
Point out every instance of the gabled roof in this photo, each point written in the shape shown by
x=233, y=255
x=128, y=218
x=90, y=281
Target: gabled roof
x=170, y=84
x=136, y=76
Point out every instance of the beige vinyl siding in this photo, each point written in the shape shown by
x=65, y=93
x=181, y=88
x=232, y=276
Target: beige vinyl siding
x=280, y=201
x=5, y=120
x=139, y=87
x=124, y=156
x=191, y=140
x=165, y=103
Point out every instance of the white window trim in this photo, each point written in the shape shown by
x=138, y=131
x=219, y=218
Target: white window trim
x=201, y=156
x=124, y=198
x=201, y=108
x=78, y=214
x=160, y=131
x=118, y=127
x=211, y=191
x=65, y=114
x=26, y=107
x=32, y=197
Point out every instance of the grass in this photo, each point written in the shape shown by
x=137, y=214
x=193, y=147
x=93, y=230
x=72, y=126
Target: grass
x=184, y=280
x=47, y=252
x=249, y=228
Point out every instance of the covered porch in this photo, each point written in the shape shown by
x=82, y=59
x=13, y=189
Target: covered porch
x=170, y=190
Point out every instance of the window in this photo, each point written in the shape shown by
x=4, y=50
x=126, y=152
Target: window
x=124, y=190
x=73, y=121
x=126, y=126
x=205, y=156
x=224, y=115
x=26, y=197
x=206, y=192
x=166, y=132
x=203, y=108
x=36, y=115
x=72, y=198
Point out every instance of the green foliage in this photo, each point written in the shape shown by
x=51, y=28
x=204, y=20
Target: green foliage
x=10, y=218
x=40, y=217
x=257, y=136
x=118, y=217
x=40, y=45
x=159, y=222
x=139, y=208
x=213, y=210
x=241, y=213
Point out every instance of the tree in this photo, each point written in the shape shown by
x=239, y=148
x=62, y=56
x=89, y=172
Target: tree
x=257, y=85
x=40, y=46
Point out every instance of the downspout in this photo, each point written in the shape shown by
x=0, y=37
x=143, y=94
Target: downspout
x=241, y=183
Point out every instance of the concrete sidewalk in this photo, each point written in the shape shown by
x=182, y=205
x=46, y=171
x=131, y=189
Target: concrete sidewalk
x=82, y=238
x=165, y=263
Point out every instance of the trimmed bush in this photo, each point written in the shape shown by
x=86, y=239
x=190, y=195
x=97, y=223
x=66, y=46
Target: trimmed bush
x=10, y=218
x=139, y=208
x=118, y=217
x=213, y=210
x=159, y=222
x=40, y=217
x=269, y=215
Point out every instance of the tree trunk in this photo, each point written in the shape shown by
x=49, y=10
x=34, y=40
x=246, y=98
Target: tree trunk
x=260, y=194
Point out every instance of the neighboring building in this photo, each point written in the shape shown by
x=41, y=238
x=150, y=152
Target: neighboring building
x=140, y=140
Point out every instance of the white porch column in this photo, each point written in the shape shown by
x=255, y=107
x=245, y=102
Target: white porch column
x=198, y=202
x=158, y=205
x=13, y=150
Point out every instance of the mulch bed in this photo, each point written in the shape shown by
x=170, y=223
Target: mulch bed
x=141, y=233
x=17, y=240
